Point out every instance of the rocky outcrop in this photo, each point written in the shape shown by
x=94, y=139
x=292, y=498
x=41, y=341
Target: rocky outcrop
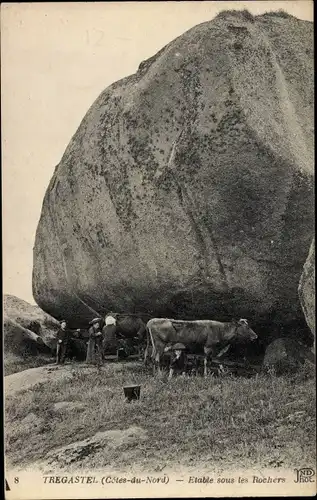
x=27, y=329
x=306, y=291
x=187, y=190
x=71, y=406
x=285, y=355
x=30, y=331
x=79, y=451
x=27, y=379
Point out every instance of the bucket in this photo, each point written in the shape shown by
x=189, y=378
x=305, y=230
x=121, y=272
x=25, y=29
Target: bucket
x=132, y=392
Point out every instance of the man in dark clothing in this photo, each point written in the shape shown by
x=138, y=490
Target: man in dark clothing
x=178, y=359
x=95, y=347
x=64, y=335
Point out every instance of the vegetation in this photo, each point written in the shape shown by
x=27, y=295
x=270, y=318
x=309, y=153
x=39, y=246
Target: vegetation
x=266, y=421
x=15, y=364
x=277, y=13
x=243, y=14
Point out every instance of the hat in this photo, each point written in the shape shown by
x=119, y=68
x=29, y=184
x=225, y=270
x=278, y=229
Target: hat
x=95, y=320
x=178, y=347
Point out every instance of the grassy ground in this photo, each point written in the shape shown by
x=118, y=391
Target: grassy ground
x=267, y=421
x=15, y=364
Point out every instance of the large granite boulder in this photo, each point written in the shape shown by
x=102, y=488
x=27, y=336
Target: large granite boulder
x=306, y=291
x=187, y=189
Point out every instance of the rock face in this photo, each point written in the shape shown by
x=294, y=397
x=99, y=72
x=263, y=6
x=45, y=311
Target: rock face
x=79, y=451
x=306, y=291
x=187, y=189
x=285, y=355
x=28, y=379
x=27, y=329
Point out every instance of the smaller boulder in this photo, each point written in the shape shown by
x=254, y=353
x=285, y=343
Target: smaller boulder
x=27, y=329
x=68, y=406
x=285, y=355
x=77, y=451
x=32, y=420
x=19, y=430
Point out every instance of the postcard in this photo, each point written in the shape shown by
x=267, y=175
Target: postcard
x=159, y=255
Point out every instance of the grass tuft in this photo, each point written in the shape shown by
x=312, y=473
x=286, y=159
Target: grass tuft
x=278, y=13
x=242, y=14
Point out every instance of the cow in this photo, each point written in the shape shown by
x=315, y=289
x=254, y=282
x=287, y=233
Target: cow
x=117, y=326
x=214, y=337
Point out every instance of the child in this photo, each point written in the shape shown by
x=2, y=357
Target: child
x=178, y=359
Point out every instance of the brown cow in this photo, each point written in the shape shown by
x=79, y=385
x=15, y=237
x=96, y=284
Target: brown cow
x=213, y=336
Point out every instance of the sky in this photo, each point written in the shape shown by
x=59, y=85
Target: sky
x=56, y=59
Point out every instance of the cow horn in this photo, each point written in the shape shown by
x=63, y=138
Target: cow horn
x=243, y=321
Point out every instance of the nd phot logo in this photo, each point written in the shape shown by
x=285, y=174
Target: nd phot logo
x=304, y=475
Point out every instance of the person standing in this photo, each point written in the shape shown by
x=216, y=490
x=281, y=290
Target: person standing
x=110, y=341
x=63, y=336
x=95, y=348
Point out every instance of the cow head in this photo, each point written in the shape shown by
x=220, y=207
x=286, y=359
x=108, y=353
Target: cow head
x=243, y=331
